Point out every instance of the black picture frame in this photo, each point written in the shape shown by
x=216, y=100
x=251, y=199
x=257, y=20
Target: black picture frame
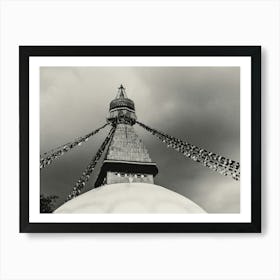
x=254, y=52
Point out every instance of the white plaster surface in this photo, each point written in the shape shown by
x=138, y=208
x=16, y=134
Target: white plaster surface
x=130, y=198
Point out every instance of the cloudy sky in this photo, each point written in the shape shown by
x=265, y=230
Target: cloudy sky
x=197, y=104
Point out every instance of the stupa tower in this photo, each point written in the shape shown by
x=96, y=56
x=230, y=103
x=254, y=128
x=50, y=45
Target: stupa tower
x=127, y=159
x=127, y=171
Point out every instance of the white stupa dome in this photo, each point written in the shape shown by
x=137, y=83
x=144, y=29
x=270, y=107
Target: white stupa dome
x=130, y=198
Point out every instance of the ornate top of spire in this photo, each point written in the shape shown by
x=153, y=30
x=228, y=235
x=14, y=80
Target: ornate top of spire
x=121, y=100
x=121, y=92
x=122, y=109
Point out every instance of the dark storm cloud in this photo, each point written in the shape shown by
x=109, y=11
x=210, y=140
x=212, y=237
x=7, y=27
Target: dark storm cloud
x=197, y=104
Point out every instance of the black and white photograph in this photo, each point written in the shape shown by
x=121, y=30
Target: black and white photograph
x=140, y=138
x=164, y=140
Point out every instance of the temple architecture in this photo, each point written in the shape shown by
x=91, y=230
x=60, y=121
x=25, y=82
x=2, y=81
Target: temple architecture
x=125, y=183
x=126, y=159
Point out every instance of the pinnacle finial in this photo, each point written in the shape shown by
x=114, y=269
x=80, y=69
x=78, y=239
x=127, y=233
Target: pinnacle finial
x=121, y=91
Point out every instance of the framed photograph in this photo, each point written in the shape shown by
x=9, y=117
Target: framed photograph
x=140, y=138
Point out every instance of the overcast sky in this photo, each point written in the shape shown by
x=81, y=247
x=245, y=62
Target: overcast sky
x=196, y=104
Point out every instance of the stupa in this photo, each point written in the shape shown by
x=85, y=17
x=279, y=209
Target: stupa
x=125, y=183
